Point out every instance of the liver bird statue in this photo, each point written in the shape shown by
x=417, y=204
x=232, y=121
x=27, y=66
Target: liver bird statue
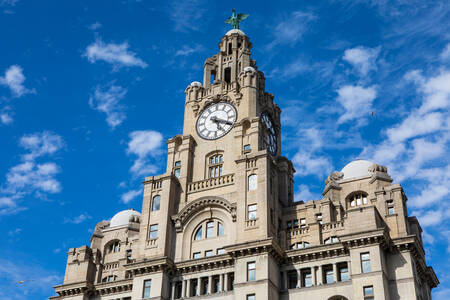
x=235, y=19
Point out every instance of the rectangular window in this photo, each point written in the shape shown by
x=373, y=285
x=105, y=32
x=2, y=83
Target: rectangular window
x=364, y=199
x=153, y=231
x=208, y=253
x=147, y=287
x=302, y=223
x=319, y=218
x=177, y=172
x=247, y=148
x=365, y=262
x=251, y=297
x=196, y=255
x=390, y=207
x=292, y=279
x=329, y=278
x=252, y=212
x=220, y=251
x=209, y=229
x=368, y=293
x=306, y=278
x=251, y=268
x=295, y=223
x=178, y=163
x=129, y=254
x=216, y=285
x=343, y=273
x=358, y=199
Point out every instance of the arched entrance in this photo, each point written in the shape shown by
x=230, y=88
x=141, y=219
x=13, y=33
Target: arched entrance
x=337, y=298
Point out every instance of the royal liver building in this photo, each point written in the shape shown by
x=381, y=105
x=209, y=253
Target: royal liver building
x=221, y=221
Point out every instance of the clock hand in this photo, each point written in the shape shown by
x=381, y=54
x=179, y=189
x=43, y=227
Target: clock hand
x=215, y=119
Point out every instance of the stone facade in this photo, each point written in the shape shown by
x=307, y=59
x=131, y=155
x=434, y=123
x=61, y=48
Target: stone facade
x=221, y=222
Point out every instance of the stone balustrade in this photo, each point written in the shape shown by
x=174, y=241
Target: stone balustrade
x=209, y=183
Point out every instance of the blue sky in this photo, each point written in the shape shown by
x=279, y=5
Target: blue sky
x=90, y=90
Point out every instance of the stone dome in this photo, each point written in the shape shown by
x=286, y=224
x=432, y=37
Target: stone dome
x=238, y=31
x=123, y=217
x=195, y=83
x=357, y=168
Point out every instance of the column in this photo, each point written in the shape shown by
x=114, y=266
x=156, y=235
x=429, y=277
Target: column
x=335, y=272
x=199, y=285
x=320, y=276
x=188, y=288
x=299, y=278
x=209, y=285
x=225, y=284
x=285, y=281
x=221, y=282
x=173, y=291
x=313, y=275
x=183, y=289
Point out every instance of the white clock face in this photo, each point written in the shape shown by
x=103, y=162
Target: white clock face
x=270, y=135
x=216, y=120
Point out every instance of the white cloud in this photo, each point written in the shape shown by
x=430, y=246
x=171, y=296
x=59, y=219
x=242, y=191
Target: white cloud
x=14, y=80
x=5, y=118
x=8, y=2
x=78, y=219
x=362, y=59
x=415, y=125
x=431, y=217
x=304, y=194
x=306, y=163
x=188, y=50
x=130, y=195
x=107, y=101
x=95, y=26
x=187, y=15
x=116, y=54
x=144, y=144
x=31, y=177
x=357, y=102
x=290, y=31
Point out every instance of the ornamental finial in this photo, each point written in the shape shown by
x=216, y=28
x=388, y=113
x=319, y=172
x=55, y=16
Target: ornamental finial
x=235, y=19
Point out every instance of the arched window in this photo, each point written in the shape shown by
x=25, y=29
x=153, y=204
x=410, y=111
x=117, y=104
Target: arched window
x=199, y=234
x=357, y=199
x=209, y=229
x=215, y=163
x=252, y=182
x=156, y=203
x=300, y=245
x=114, y=247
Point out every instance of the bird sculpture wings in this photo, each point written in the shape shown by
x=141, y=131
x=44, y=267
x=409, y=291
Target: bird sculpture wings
x=235, y=19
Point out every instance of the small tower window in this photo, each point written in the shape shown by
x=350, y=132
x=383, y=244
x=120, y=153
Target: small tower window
x=230, y=48
x=252, y=182
x=390, y=207
x=156, y=203
x=213, y=76
x=215, y=164
x=227, y=75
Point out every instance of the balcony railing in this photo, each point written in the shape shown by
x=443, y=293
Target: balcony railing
x=205, y=184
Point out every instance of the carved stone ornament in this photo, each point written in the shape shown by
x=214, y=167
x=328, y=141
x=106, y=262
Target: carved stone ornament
x=197, y=205
x=335, y=176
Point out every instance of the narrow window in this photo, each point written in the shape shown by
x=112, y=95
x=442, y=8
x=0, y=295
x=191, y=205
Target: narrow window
x=365, y=262
x=252, y=212
x=196, y=255
x=251, y=297
x=209, y=229
x=329, y=278
x=153, y=231
x=216, y=284
x=390, y=207
x=230, y=48
x=220, y=251
x=306, y=278
x=302, y=223
x=252, y=182
x=251, y=268
x=199, y=234
x=147, y=288
x=213, y=77
x=156, y=203
x=177, y=172
x=295, y=223
x=343, y=273
x=220, y=229
x=368, y=293
x=227, y=75
x=319, y=218
x=292, y=279
x=208, y=253
x=129, y=253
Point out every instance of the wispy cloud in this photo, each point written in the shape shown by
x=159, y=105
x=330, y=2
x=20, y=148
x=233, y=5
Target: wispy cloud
x=362, y=59
x=106, y=100
x=31, y=176
x=14, y=80
x=117, y=55
x=95, y=26
x=145, y=144
x=130, y=195
x=188, y=50
x=78, y=219
x=187, y=15
x=290, y=30
x=357, y=102
x=304, y=194
x=21, y=281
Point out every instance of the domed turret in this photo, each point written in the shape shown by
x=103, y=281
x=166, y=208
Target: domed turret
x=357, y=168
x=123, y=217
